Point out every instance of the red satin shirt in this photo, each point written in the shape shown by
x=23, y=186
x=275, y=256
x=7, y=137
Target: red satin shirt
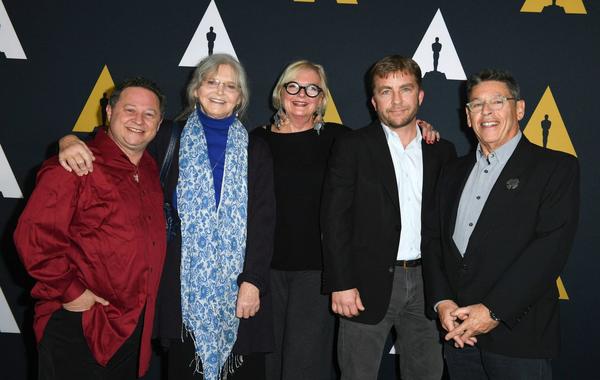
x=104, y=232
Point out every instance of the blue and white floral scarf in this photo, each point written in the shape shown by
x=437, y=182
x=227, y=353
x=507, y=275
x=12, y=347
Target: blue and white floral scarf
x=213, y=242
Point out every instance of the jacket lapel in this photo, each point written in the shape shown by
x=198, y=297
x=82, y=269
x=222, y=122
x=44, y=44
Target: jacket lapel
x=457, y=181
x=431, y=169
x=502, y=194
x=382, y=157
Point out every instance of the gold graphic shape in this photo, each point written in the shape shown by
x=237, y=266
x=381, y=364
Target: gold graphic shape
x=562, y=292
x=331, y=113
x=569, y=6
x=91, y=115
x=558, y=136
x=558, y=139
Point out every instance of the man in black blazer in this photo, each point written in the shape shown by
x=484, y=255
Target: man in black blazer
x=378, y=192
x=508, y=218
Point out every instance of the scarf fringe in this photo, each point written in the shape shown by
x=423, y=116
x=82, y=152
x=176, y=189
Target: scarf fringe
x=232, y=364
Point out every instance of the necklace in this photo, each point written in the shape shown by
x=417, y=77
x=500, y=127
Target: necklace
x=218, y=161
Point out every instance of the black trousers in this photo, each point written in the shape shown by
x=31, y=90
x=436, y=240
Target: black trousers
x=181, y=365
x=471, y=363
x=304, y=328
x=65, y=355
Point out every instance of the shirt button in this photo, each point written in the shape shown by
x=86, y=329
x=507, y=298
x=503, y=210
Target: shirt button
x=470, y=224
x=153, y=243
x=478, y=197
x=391, y=269
x=485, y=171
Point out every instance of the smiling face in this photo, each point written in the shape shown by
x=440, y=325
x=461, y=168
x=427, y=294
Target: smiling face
x=219, y=101
x=134, y=120
x=300, y=106
x=396, y=99
x=494, y=128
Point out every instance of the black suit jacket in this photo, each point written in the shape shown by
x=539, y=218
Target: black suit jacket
x=361, y=215
x=516, y=251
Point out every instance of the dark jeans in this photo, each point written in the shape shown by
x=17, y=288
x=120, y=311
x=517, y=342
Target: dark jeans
x=304, y=328
x=471, y=363
x=65, y=355
x=360, y=346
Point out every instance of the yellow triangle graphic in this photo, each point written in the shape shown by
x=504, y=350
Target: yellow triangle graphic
x=557, y=135
x=569, y=6
x=331, y=113
x=562, y=292
x=91, y=115
x=557, y=139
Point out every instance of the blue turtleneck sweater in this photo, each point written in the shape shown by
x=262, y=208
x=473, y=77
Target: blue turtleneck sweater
x=216, y=131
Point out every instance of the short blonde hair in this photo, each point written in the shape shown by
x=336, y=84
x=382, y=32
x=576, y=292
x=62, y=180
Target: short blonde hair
x=289, y=74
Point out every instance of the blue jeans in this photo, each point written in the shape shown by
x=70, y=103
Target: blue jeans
x=471, y=363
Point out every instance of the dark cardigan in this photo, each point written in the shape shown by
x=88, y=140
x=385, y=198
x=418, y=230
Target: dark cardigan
x=256, y=333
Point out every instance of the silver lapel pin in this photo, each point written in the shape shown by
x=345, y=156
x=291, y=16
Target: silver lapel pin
x=512, y=183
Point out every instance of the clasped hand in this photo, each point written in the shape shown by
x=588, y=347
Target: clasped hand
x=463, y=324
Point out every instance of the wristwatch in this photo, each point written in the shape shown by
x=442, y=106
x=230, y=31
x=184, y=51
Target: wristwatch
x=494, y=317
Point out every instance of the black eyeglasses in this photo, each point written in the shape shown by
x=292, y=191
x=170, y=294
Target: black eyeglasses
x=311, y=90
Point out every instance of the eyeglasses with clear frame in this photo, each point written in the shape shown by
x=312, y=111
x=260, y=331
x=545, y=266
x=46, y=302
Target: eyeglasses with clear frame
x=495, y=104
x=311, y=90
x=214, y=84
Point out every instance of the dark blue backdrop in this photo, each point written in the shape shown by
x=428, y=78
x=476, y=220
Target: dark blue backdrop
x=68, y=43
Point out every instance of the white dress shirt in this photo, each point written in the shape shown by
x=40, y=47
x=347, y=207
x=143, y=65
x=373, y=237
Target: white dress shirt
x=408, y=166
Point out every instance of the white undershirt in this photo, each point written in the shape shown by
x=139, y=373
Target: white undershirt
x=408, y=166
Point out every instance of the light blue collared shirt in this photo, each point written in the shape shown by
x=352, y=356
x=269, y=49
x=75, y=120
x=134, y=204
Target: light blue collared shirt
x=484, y=175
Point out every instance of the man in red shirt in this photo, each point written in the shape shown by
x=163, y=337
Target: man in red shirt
x=96, y=246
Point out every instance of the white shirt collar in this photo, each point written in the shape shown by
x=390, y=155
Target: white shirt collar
x=389, y=133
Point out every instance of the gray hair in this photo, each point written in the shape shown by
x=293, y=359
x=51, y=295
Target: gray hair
x=210, y=65
x=288, y=75
x=495, y=75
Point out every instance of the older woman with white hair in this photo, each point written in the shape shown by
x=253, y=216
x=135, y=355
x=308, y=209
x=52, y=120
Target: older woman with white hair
x=214, y=288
